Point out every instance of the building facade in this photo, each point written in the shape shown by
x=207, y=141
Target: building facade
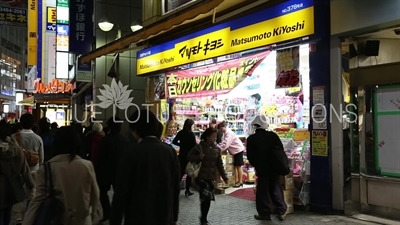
x=13, y=49
x=367, y=46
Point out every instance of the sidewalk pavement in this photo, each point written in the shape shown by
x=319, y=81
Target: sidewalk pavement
x=227, y=210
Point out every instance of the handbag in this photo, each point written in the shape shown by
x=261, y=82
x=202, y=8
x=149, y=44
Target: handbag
x=52, y=209
x=192, y=168
x=280, y=161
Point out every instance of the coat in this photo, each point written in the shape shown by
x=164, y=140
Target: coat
x=147, y=185
x=76, y=185
x=211, y=163
x=260, y=145
x=112, y=147
x=186, y=140
x=13, y=167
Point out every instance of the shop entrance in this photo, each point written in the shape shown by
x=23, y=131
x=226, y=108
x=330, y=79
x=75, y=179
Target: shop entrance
x=234, y=89
x=374, y=135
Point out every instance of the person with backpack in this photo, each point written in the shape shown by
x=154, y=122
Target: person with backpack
x=33, y=148
x=265, y=153
x=66, y=188
x=14, y=171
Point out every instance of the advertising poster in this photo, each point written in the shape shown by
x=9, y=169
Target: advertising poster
x=32, y=32
x=159, y=87
x=319, y=140
x=318, y=95
x=215, y=79
x=287, y=68
x=81, y=33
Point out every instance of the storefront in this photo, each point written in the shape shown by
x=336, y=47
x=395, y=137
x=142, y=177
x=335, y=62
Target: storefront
x=53, y=101
x=374, y=134
x=263, y=63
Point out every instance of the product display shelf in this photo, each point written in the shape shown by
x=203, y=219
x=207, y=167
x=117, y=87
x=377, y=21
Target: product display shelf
x=235, y=119
x=296, y=145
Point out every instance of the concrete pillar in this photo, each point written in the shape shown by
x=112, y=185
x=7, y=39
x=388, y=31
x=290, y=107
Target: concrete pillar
x=336, y=124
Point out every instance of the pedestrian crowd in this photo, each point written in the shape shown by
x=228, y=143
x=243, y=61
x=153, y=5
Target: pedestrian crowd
x=63, y=175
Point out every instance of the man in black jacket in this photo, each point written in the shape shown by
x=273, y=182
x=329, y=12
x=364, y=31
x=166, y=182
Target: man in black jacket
x=112, y=147
x=147, y=186
x=260, y=145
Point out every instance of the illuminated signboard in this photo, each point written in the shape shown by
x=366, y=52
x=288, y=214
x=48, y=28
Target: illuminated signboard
x=62, y=38
x=51, y=20
x=62, y=11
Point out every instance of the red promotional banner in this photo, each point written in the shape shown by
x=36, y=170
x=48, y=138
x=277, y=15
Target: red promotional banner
x=219, y=78
x=287, y=68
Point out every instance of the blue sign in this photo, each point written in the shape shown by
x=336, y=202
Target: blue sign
x=84, y=66
x=62, y=30
x=81, y=30
x=84, y=72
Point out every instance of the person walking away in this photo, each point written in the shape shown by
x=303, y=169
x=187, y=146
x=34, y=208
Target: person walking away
x=147, y=185
x=94, y=138
x=74, y=181
x=14, y=172
x=213, y=124
x=28, y=139
x=209, y=154
x=112, y=147
x=235, y=147
x=186, y=140
x=47, y=136
x=260, y=146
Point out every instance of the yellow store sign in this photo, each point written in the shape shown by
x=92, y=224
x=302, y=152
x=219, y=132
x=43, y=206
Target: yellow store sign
x=32, y=32
x=299, y=23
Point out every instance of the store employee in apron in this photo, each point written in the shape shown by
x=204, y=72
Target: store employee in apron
x=235, y=147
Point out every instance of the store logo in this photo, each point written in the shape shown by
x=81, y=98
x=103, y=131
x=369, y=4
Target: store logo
x=116, y=95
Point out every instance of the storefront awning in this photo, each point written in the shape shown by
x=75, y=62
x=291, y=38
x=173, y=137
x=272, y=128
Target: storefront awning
x=27, y=101
x=188, y=16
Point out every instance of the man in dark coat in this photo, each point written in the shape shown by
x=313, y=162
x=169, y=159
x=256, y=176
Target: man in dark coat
x=147, y=185
x=112, y=147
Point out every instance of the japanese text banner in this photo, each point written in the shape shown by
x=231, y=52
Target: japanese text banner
x=13, y=16
x=81, y=31
x=215, y=79
x=32, y=32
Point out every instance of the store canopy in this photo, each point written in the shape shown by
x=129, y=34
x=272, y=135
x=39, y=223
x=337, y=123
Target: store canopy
x=27, y=101
x=169, y=23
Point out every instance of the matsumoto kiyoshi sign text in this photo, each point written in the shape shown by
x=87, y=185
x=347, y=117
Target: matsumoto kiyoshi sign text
x=289, y=20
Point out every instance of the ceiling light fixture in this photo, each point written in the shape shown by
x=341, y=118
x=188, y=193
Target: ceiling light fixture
x=136, y=25
x=105, y=24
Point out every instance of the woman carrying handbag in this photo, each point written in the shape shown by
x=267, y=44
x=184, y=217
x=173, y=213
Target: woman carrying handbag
x=207, y=157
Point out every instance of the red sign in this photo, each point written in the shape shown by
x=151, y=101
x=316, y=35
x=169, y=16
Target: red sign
x=288, y=79
x=54, y=87
x=214, y=79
